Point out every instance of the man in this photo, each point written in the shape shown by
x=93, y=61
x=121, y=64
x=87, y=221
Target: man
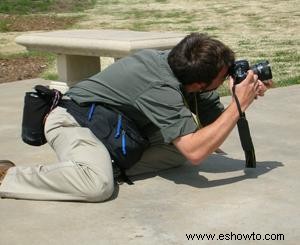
x=159, y=90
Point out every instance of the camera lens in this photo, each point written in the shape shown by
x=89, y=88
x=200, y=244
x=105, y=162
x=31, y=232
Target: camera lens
x=262, y=70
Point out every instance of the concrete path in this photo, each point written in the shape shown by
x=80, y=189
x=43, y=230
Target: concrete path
x=216, y=198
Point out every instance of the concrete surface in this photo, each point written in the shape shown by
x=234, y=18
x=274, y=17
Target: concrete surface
x=78, y=51
x=111, y=43
x=218, y=197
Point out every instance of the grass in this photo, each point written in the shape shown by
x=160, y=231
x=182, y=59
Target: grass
x=267, y=29
x=254, y=30
x=24, y=6
x=43, y=6
x=48, y=56
x=143, y=20
x=21, y=23
x=4, y=25
x=289, y=81
x=50, y=75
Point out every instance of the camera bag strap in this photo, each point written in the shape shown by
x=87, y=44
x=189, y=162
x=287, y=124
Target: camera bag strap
x=245, y=136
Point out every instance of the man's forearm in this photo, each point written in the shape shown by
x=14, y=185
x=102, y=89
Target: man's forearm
x=197, y=146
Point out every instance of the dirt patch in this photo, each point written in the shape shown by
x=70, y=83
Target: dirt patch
x=16, y=23
x=21, y=68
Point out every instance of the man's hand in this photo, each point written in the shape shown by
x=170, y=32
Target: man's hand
x=249, y=89
x=264, y=86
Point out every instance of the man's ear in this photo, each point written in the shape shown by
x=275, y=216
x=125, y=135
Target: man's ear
x=195, y=87
x=200, y=85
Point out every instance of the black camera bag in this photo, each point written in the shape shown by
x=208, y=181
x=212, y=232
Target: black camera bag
x=120, y=135
x=37, y=106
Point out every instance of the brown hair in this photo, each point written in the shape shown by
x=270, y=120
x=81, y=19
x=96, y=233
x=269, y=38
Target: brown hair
x=199, y=57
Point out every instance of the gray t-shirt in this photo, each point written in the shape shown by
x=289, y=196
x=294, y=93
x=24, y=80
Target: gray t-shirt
x=144, y=88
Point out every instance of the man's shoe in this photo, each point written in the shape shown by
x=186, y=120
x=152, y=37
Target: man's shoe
x=4, y=166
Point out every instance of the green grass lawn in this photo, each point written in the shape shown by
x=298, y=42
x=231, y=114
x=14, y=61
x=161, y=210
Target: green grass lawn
x=43, y=6
x=256, y=31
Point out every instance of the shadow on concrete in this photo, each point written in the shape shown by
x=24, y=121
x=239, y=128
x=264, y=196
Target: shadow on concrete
x=194, y=175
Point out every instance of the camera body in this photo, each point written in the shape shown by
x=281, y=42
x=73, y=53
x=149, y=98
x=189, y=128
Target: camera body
x=240, y=68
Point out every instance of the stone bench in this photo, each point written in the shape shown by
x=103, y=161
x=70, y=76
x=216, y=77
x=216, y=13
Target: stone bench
x=79, y=51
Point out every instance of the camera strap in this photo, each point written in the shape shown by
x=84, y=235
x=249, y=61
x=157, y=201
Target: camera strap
x=245, y=136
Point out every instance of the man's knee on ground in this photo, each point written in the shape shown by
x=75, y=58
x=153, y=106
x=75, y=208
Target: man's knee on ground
x=99, y=191
x=94, y=185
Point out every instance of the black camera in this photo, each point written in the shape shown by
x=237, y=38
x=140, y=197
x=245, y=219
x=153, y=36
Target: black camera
x=239, y=69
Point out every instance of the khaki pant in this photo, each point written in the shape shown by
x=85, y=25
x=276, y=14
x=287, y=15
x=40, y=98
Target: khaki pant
x=84, y=171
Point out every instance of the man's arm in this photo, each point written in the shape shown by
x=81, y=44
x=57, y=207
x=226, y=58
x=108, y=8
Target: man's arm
x=198, y=145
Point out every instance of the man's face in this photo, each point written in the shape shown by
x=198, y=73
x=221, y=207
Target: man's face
x=203, y=87
x=221, y=77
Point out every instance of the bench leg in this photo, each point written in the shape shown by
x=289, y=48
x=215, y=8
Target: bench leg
x=73, y=68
